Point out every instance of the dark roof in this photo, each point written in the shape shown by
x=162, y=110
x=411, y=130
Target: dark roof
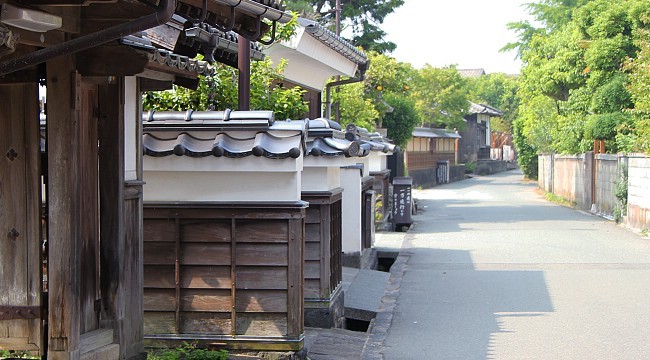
x=182, y=36
x=327, y=139
x=333, y=41
x=484, y=109
x=221, y=133
x=168, y=58
x=435, y=133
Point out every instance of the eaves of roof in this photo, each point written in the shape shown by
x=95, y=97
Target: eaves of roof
x=484, y=109
x=168, y=59
x=333, y=41
x=435, y=133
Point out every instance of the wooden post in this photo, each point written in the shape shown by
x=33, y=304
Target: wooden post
x=296, y=256
x=64, y=275
x=121, y=224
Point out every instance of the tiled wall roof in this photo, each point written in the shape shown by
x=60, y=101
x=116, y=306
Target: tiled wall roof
x=232, y=134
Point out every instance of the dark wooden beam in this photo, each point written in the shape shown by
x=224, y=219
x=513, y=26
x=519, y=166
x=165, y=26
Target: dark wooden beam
x=69, y=2
x=46, y=39
x=19, y=77
x=111, y=60
x=155, y=85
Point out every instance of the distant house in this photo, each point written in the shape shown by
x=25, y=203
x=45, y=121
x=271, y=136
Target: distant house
x=426, y=149
x=471, y=73
x=475, y=139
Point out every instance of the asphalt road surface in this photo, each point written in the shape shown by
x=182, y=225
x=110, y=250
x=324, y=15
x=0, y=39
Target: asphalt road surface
x=497, y=272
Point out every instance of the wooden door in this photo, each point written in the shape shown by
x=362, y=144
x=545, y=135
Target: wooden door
x=20, y=201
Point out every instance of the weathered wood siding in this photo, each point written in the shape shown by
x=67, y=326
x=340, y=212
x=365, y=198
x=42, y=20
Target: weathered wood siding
x=224, y=272
x=121, y=229
x=323, y=270
x=20, y=253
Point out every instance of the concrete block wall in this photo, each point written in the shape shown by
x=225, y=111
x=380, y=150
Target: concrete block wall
x=606, y=176
x=572, y=178
x=591, y=183
x=638, y=193
x=545, y=172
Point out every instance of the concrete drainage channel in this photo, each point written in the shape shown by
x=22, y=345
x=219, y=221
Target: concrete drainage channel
x=367, y=319
x=365, y=291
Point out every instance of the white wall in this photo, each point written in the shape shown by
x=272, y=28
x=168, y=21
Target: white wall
x=132, y=120
x=321, y=178
x=221, y=186
x=351, y=210
x=377, y=161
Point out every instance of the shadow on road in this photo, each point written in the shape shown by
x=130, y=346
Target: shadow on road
x=460, y=308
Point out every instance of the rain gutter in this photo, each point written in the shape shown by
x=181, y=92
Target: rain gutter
x=162, y=15
x=328, y=87
x=257, y=9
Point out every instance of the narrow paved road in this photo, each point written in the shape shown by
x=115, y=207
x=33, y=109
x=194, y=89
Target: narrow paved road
x=497, y=272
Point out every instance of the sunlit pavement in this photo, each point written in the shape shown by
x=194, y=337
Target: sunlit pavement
x=491, y=270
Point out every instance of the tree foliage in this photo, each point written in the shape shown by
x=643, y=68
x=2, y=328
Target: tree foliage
x=500, y=91
x=364, y=17
x=441, y=97
x=219, y=92
x=588, y=61
x=403, y=118
x=354, y=107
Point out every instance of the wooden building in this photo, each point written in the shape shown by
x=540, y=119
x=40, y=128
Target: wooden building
x=85, y=196
x=426, y=150
x=475, y=139
x=223, y=225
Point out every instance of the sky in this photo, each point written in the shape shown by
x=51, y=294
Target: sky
x=466, y=33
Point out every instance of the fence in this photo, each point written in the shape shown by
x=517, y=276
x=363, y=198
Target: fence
x=638, y=192
x=593, y=182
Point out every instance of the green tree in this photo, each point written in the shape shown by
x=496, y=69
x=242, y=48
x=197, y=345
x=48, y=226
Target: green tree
x=500, y=91
x=354, y=108
x=403, y=118
x=219, y=92
x=387, y=76
x=585, y=61
x=526, y=151
x=441, y=97
x=363, y=16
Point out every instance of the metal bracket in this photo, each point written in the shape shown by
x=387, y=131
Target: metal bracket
x=272, y=40
x=204, y=13
x=19, y=312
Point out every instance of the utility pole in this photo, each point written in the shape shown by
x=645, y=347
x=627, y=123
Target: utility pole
x=338, y=17
x=337, y=115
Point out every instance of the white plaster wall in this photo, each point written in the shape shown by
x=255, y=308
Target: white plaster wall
x=351, y=210
x=131, y=128
x=219, y=164
x=377, y=161
x=321, y=178
x=221, y=186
